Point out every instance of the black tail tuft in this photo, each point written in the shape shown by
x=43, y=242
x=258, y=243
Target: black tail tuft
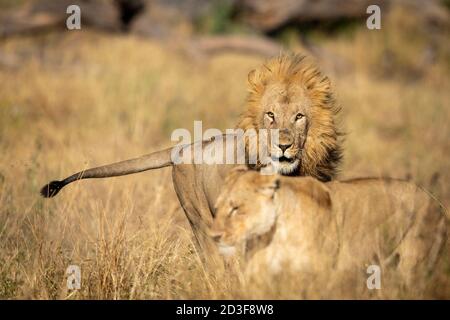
x=52, y=189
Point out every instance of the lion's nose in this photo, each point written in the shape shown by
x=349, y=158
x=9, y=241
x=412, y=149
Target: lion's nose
x=284, y=147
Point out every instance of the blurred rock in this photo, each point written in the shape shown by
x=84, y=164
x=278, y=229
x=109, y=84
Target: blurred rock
x=160, y=20
x=40, y=15
x=267, y=15
x=163, y=18
x=207, y=45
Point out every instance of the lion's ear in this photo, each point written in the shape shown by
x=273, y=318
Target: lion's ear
x=325, y=83
x=252, y=78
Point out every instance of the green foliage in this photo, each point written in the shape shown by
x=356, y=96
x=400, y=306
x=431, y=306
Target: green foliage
x=218, y=20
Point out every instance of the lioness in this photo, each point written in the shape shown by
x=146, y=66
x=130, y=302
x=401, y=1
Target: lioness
x=287, y=93
x=301, y=225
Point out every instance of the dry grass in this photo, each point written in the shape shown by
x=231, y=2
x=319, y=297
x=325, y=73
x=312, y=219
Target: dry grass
x=80, y=99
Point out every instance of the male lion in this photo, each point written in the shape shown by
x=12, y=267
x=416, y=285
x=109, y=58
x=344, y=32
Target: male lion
x=330, y=232
x=287, y=93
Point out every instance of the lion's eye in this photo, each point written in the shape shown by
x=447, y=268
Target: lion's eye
x=270, y=115
x=299, y=116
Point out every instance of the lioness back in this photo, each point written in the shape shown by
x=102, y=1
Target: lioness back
x=333, y=230
x=399, y=219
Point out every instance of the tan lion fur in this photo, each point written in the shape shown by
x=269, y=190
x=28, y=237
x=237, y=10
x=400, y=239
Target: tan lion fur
x=327, y=234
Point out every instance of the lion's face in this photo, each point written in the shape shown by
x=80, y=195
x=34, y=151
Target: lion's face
x=245, y=210
x=290, y=94
x=286, y=108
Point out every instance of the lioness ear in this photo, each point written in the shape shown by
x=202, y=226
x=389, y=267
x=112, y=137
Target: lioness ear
x=270, y=188
x=318, y=191
x=235, y=174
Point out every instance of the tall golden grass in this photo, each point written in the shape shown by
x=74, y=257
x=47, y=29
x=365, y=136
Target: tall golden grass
x=73, y=100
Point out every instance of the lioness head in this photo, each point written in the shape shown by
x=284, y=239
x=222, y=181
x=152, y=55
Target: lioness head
x=245, y=210
x=250, y=206
x=291, y=95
